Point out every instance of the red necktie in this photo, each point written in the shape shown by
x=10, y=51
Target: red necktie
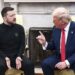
x=62, y=45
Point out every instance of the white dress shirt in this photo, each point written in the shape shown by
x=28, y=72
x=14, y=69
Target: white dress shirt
x=66, y=35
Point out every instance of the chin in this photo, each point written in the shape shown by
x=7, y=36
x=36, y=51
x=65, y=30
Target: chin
x=13, y=22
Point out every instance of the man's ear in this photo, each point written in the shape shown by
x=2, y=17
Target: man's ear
x=4, y=19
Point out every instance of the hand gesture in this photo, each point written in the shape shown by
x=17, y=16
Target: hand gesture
x=18, y=63
x=8, y=63
x=41, y=38
x=61, y=65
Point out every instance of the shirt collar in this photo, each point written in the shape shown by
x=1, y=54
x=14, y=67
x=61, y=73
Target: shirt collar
x=67, y=27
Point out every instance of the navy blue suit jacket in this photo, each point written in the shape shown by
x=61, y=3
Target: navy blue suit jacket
x=70, y=44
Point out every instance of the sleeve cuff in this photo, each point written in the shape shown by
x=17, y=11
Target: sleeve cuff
x=67, y=63
x=45, y=46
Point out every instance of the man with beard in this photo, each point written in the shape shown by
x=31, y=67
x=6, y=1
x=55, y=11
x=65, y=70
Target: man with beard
x=12, y=44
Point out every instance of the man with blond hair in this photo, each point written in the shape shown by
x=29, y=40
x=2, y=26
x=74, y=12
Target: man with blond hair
x=62, y=42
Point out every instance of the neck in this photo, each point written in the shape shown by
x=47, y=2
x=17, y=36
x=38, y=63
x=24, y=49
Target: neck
x=7, y=23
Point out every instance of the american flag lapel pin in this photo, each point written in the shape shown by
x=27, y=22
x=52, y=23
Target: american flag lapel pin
x=71, y=32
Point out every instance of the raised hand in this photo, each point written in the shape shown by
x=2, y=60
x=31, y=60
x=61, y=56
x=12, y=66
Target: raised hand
x=41, y=38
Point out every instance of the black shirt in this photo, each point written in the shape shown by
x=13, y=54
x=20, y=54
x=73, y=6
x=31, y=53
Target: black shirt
x=12, y=40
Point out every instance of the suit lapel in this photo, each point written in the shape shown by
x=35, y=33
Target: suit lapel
x=57, y=37
x=70, y=34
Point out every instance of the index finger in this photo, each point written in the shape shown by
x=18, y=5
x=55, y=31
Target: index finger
x=40, y=33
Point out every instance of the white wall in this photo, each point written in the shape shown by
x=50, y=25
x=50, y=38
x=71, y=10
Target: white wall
x=37, y=21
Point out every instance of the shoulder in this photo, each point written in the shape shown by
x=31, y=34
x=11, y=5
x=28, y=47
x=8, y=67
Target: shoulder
x=72, y=25
x=1, y=25
x=19, y=26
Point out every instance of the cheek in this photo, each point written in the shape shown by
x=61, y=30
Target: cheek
x=56, y=23
x=11, y=19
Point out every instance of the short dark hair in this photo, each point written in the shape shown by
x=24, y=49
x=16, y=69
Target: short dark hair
x=5, y=10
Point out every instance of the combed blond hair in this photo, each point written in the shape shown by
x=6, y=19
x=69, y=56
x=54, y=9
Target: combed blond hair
x=61, y=12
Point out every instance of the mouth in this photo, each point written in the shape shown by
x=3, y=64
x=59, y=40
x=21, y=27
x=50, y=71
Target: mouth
x=14, y=19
